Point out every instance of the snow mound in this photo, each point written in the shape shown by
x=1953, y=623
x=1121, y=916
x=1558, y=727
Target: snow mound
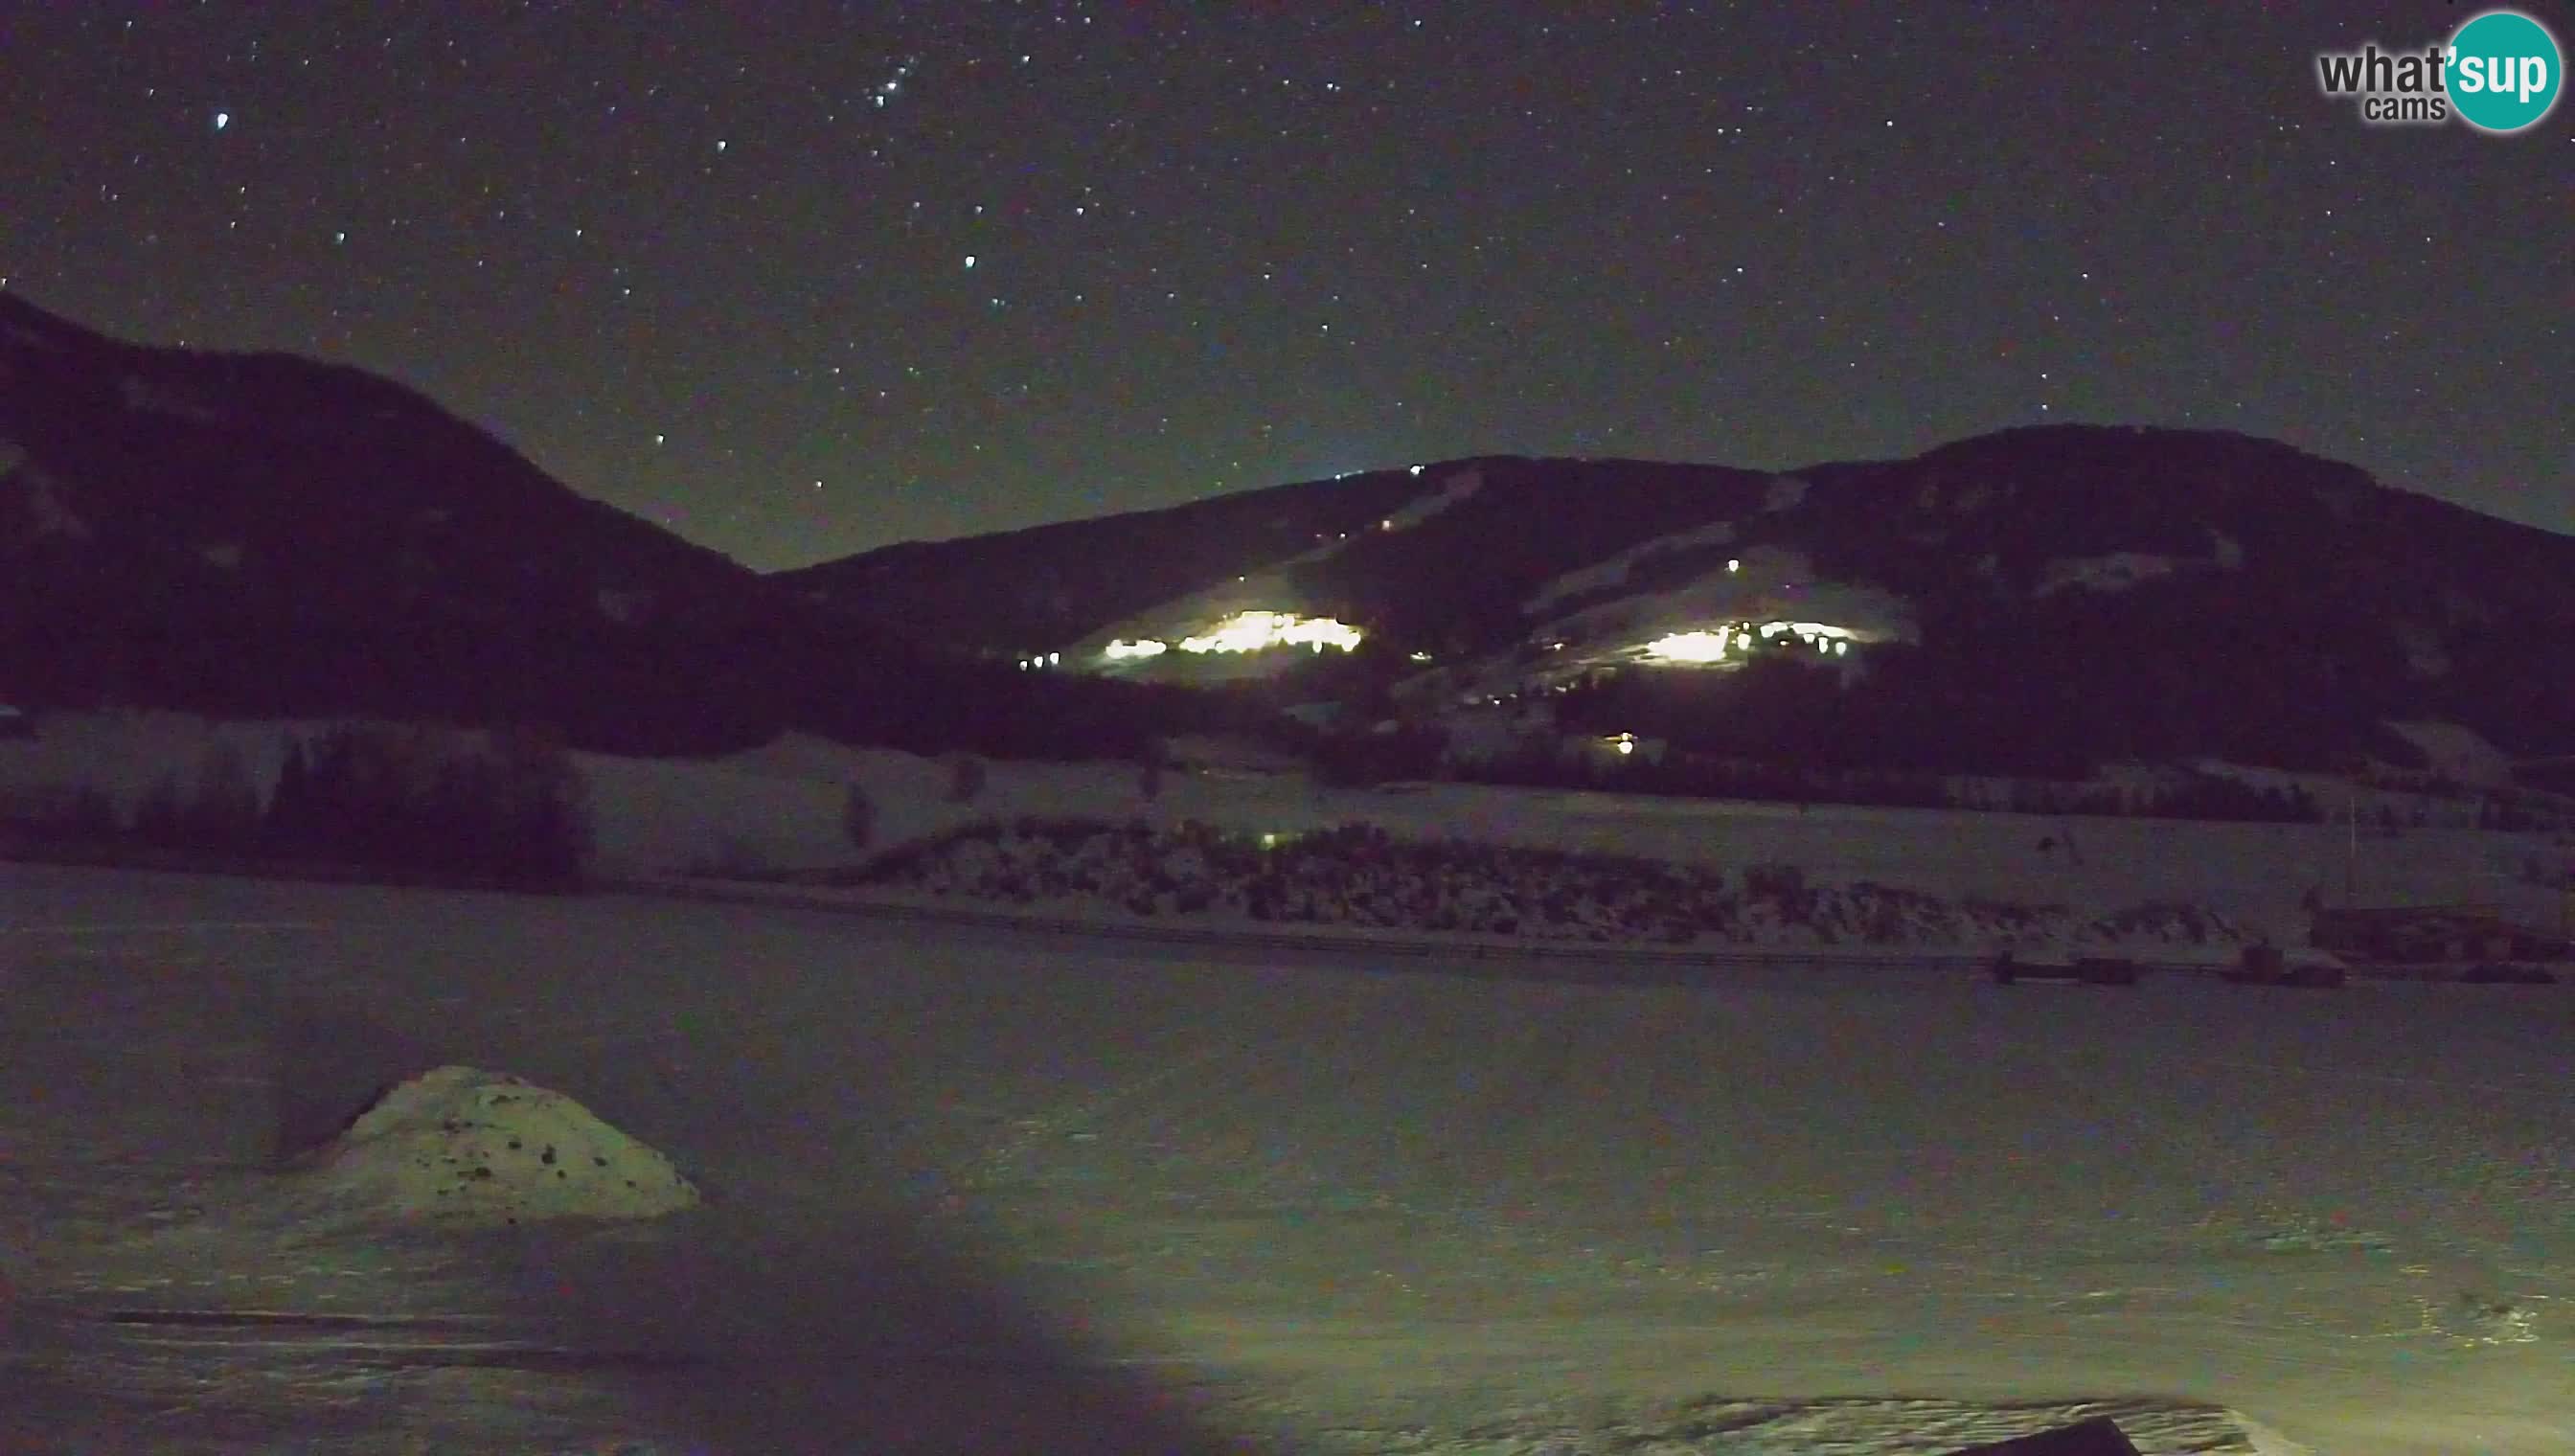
x=463, y=1146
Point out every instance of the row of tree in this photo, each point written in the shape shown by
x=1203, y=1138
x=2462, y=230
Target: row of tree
x=509, y=807
x=1420, y=752
x=637, y=691
x=2202, y=796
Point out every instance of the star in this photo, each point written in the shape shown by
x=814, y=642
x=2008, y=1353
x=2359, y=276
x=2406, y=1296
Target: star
x=1533, y=233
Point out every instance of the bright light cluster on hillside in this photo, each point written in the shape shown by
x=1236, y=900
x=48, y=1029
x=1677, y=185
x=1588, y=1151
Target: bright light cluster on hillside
x=1248, y=631
x=1706, y=646
x=1692, y=647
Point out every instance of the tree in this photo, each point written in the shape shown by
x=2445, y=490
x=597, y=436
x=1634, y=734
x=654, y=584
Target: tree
x=160, y=819
x=290, y=822
x=457, y=818
x=225, y=813
x=366, y=781
x=966, y=777
x=858, y=817
x=544, y=824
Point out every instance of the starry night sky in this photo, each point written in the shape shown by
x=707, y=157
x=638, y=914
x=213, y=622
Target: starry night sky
x=805, y=279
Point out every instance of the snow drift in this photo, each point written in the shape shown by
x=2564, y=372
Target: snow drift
x=461, y=1145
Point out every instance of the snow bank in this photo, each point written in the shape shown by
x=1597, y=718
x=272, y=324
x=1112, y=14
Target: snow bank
x=459, y=1145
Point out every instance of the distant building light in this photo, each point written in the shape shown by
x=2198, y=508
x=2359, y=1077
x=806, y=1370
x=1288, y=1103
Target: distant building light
x=1413, y=469
x=1054, y=659
x=1422, y=657
x=1734, y=566
x=1386, y=525
x=1626, y=745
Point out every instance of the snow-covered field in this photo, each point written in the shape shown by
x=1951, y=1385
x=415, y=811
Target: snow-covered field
x=779, y=806
x=975, y=1190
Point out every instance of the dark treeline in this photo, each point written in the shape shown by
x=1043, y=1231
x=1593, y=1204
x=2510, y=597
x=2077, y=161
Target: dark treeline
x=1419, y=752
x=2022, y=709
x=2202, y=796
x=700, y=690
x=510, y=811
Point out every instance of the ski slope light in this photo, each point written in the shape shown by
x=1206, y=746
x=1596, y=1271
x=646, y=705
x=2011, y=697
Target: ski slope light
x=1806, y=630
x=1249, y=631
x=1692, y=647
x=1120, y=649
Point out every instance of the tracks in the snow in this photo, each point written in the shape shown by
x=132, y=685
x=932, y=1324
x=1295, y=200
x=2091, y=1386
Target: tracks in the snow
x=349, y=1339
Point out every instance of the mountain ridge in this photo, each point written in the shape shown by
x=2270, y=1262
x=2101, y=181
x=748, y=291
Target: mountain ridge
x=261, y=532
x=2101, y=553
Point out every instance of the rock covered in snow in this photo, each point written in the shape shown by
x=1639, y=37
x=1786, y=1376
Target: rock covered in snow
x=462, y=1146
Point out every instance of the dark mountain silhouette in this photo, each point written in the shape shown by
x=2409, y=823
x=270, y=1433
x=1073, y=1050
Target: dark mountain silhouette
x=2065, y=594
x=261, y=534
x=265, y=535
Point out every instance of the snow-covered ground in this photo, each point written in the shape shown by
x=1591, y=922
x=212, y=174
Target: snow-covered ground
x=972, y=1190
x=780, y=806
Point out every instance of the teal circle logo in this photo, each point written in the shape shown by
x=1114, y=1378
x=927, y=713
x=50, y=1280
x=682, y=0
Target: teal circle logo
x=2504, y=71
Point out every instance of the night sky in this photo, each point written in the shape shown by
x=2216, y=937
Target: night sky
x=801, y=280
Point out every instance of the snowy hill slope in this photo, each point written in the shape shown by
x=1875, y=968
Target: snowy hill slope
x=2108, y=593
